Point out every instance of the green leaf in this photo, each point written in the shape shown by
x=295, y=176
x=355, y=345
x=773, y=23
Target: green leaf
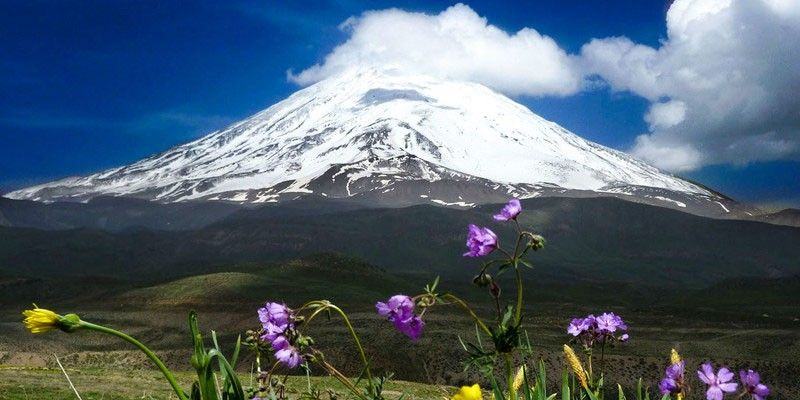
x=229, y=376
x=197, y=337
x=541, y=383
x=621, y=394
x=526, y=263
x=639, y=389
x=565, y=392
x=498, y=394
x=236, y=349
x=195, y=392
x=590, y=394
x=526, y=386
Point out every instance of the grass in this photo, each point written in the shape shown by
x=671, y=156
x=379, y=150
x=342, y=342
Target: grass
x=104, y=384
x=741, y=324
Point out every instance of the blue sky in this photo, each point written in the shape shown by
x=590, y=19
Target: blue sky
x=91, y=85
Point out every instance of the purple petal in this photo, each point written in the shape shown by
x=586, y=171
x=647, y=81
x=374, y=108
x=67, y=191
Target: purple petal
x=714, y=393
x=728, y=387
x=382, y=308
x=706, y=374
x=761, y=391
x=724, y=375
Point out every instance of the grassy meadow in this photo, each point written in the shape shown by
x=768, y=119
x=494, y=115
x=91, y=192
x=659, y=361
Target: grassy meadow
x=764, y=336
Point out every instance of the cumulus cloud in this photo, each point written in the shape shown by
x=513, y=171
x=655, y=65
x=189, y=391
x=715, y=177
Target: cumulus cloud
x=456, y=43
x=665, y=115
x=723, y=85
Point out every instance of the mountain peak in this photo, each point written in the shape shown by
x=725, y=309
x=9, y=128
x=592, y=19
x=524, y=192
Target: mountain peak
x=371, y=131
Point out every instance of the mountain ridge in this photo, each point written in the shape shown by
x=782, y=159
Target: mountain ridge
x=446, y=142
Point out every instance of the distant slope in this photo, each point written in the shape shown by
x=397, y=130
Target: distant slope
x=601, y=239
x=789, y=217
x=112, y=214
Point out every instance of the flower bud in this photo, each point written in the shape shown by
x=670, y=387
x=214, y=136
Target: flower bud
x=482, y=280
x=426, y=301
x=536, y=242
x=494, y=289
x=69, y=323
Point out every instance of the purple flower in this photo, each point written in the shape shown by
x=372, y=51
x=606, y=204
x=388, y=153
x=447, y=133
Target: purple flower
x=591, y=330
x=285, y=352
x=277, y=321
x=289, y=356
x=673, y=379
x=480, y=241
x=411, y=327
x=580, y=325
x=399, y=307
x=609, y=323
x=719, y=383
x=274, y=313
x=509, y=211
x=752, y=384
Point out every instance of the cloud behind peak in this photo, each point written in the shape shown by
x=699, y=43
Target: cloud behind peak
x=456, y=44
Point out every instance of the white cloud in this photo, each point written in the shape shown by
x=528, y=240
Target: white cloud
x=665, y=115
x=667, y=155
x=724, y=84
x=456, y=43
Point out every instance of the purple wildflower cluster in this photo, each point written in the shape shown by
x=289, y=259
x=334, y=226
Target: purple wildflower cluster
x=591, y=329
x=277, y=322
x=399, y=310
x=718, y=383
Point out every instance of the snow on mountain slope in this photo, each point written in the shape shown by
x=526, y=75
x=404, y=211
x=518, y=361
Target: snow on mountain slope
x=366, y=131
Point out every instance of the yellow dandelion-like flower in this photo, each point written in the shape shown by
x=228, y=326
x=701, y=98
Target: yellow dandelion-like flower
x=576, y=367
x=519, y=379
x=674, y=357
x=468, y=393
x=40, y=320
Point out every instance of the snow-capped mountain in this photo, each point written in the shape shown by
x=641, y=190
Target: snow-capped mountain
x=393, y=139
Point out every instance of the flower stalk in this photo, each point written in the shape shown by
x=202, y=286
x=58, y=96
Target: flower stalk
x=144, y=349
x=39, y=320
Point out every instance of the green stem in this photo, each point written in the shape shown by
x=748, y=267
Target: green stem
x=512, y=394
x=602, y=357
x=518, y=311
x=466, y=307
x=591, y=373
x=164, y=370
x=358, y=345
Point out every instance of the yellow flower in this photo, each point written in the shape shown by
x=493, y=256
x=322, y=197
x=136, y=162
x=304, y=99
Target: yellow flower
x=468, y=393
x=576, y=367
x=40, y=320
x=674, y=357
x=519, y=379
